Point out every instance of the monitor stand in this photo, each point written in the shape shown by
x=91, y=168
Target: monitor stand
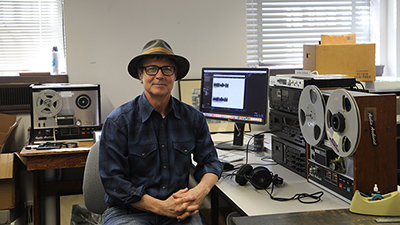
x=238, y=136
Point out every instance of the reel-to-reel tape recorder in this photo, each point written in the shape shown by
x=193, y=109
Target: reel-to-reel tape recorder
x=64, y=112
x=351, y=140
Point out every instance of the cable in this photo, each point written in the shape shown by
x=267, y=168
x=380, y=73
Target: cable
x=247, y=149
x=248, y=143
x=358, y=82
x=54, y=128
x=300, y=196
x=240, y=131
x=268, y=159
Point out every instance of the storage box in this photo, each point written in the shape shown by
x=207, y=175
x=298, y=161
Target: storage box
x=338, y=39
x=8, y=178
x=356, y=60
x=8, y=126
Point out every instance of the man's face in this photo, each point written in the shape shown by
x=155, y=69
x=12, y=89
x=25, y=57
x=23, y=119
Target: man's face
x=158, y=85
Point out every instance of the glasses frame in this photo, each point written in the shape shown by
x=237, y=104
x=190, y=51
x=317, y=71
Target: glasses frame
x=158, y=69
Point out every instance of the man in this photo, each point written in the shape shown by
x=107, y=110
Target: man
x=146, y=147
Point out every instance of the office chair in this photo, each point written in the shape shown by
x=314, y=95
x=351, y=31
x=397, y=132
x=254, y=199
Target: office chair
x=93, y=191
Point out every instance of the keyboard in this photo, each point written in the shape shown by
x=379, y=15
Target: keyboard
x=49, y=145
x=229, y=156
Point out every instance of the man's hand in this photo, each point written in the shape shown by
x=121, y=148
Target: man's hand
x=171, y=207
x=179, y=205
x=198, y=193
x=192, y=209
x=182, y=203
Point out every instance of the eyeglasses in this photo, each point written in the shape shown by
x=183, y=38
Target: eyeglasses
x=153, y=70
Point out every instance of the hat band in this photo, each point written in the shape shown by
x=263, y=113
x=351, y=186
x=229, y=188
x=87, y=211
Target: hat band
x=157, y=49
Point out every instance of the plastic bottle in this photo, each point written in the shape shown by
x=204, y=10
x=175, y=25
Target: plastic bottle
x=376, y=194
x=55, y=66
x=375, y=189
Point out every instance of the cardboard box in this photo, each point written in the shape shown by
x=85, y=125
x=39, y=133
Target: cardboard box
x=356, y=60
x=8, y=126
x=8, y=178
x=338, y=39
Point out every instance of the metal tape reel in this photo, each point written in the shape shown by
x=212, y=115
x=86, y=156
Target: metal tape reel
x=311, y=114
x=48, y=103
x=342, y=122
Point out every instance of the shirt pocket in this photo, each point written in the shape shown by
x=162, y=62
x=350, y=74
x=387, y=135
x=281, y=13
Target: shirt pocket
x=143, y=160
x=183, y=151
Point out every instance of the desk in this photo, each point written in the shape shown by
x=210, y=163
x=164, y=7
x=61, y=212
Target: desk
x=248, y=201
x=340, y=216
x=39, y=160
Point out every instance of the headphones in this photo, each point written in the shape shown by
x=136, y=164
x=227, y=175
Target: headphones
x=260, y=177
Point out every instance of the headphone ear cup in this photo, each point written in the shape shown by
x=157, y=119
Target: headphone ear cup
x=243, y=173
x=261, y=177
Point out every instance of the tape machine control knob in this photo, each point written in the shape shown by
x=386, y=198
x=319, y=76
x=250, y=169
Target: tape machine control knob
x=78, y=123
x=313, y=170
x=334, y=166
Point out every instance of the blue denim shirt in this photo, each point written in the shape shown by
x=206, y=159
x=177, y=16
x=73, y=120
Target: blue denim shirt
x=143, y=153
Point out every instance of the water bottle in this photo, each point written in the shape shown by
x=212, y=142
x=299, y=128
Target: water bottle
x=55, y=66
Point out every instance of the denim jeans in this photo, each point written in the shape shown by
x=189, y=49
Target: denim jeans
x=119, y=215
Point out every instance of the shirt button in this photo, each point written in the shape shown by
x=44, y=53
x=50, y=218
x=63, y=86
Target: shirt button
x=143, y=154
x=186, y=150
x=165, y=167
x=164, y=187
x=133, y=192
x=163, y=146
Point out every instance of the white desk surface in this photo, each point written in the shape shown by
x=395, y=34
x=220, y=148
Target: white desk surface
x=257, y=202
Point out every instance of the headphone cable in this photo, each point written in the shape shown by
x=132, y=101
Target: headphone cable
x=300, y=196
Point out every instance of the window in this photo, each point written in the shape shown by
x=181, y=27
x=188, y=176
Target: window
x=28, y=31
x=278, y=29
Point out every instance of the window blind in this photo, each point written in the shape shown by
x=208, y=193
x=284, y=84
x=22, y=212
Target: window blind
x=28, y=31
x=277, y=30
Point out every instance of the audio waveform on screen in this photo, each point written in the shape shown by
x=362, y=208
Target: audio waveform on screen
x=220, y=99
x=221, y=85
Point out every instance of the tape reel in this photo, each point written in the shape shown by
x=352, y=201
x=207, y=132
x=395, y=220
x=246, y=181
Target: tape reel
x=337, y=120
x=48, y=103
x=311, y=115
x=342, y=122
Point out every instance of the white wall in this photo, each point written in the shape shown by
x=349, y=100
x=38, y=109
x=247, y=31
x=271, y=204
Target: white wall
x=102, y=36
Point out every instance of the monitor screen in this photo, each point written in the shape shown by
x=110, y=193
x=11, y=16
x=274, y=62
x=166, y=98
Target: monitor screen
x=235, y=94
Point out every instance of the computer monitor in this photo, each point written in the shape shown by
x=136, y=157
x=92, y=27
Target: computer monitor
x=239, y=95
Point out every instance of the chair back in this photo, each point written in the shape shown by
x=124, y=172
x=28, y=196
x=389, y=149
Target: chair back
x=93, y=191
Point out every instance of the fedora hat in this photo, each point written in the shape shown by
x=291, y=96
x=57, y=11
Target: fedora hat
x=159, y=47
